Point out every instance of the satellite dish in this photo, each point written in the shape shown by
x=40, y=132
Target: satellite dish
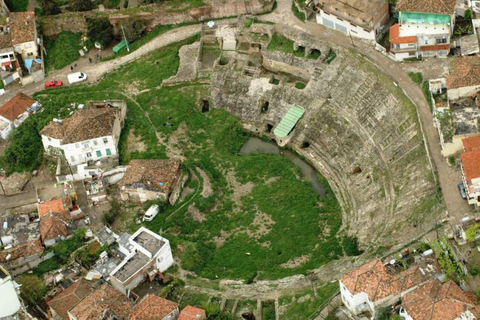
x=210, y=24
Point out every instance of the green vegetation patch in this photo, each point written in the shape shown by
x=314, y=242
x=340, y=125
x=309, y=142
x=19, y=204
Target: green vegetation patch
x=416, y=77
x=281, y=43
x=300, y=85
x=297, y=13
x=17, y=5
x=183, y=5
x=62, y=50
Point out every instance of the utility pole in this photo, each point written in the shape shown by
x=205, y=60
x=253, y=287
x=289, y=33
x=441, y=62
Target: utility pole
x=125, y=38
x=351, y=39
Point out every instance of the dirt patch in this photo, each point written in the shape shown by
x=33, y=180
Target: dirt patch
x=261, y=225
x=14, y=183
x=132, y=88
x=220, y=240
x=196, y=214
x=135, y=143
x=185, y=193
x=173, y=145
x=296, y=262
x=239, y=190
x=207, y=185
x=272, y=180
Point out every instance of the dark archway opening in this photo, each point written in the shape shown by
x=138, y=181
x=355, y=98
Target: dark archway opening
x=269, y=127
x=205, y=106
x=305, y=145
x=265, y=107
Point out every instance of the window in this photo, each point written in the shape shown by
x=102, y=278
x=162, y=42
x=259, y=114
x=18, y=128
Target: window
x=99, y=153
x=105, y=140
x=443, y=40
x=86, y=145
x=426, y=41
x=30, y=54
x=77, y=145
x=89, y=154
x=108, y=151
x=94, y=142
x=49, y=139
x=72, y=158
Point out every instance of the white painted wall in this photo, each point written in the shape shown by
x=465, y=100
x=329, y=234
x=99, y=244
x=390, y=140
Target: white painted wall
x=344, y=26
x=356, y=303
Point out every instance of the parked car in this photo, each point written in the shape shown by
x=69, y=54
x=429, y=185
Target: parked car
x=151, y=213
x=77, y=77
x=53, y=84
x=461, y=187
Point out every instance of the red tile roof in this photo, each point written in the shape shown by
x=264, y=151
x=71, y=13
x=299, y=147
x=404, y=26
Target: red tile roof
x=436, y=301
x=16, y=106
x=54, y=224
x=374, y=279
x=465, y=72
x=55, y=205
x=471, y=143
x=104, y=299
x=22, y=26
x=395, y=36
x=153, y=308
x=471, y=164
x=427, y=6
x=23, y=250
x=70, y=297
x=192, y=313
x=435, y=47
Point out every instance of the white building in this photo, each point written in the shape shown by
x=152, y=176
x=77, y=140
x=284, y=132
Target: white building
x=90, y=135
x=424, y=29
x=373, y=285
x=145, y=250
x=9, y=302
x=357, y=18
x=15, y=112
x=471, y=169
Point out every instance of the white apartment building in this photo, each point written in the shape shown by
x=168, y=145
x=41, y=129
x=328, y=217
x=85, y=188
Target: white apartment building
x=89, y=135
x=358, y=18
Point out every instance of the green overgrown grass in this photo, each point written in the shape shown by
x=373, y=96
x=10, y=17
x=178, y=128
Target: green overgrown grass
x=427, y=94
x=297, y=13
x=416, y=77
x=281, y=43
x=183, y=5
x=300, y=85
x=62, y=50
x=19, y=5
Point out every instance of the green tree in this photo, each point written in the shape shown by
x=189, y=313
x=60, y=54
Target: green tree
x=100, y=30
x=472, y=232
x=49, y=7
x=468, y=14
x=33, y=288
x=133, y=30
x=82, y=5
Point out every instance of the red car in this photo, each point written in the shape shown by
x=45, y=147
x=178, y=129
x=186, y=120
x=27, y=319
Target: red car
x=53, y=84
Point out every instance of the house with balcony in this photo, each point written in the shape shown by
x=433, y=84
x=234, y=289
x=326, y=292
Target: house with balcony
x=376, y=285
x=23, y=29
x=15, y=112
x=357, y=18
x=88, y=140
x=145, y=252
x=424, y=29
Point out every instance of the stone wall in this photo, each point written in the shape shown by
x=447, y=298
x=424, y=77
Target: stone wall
x=359, y=130
x=154, y=15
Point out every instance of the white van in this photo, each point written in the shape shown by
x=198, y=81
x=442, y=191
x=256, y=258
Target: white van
x=77, y=77
x=151, y=213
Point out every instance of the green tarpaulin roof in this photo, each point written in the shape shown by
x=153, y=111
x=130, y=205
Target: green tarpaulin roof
x=122, y=44
x=288, y=122
x=415, y=17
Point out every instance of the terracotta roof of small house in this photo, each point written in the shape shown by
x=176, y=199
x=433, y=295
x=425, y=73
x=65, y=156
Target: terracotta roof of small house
x=435, y=47
x=471, y=143
x=152, y=307
x=83, y=125
x=471, y=164
x=395, y=36
x=155, y=174
x=55, y=205
x=465, y=72
x=374, y=279
x=22, y=26
x=192, y=313
x=360, y=9
x=6, y=41
x=16, y=106
x=70, y=297
x=104, y=299
x=53, y=225
x=427, y=6
x=438, y=301
x=23, y=250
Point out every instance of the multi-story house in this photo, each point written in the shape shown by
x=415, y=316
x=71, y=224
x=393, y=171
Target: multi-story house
x=14, y=112
x=89, y=136
x=424, y=29
x=23, y=30
x=357, y=18
x=471, y=169
x=9, y=302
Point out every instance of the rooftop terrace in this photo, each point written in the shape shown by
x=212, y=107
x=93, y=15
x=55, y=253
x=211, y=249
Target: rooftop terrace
x=129, y=268
x=149, y=242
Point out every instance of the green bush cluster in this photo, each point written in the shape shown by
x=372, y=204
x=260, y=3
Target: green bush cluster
x=62, y=50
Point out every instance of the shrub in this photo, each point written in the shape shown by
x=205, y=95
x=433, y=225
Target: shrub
x=472, y=232
x=49, y=7
x=62, y=50
x=416, y=77
x=297, y=13
x=350, y=245
x=474, y=270
x=300, y=85
x=100, y=30
x=33, y=288
x=46, y=266
x=82, y=5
